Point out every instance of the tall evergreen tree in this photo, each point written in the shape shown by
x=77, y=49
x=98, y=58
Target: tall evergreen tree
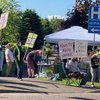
x=31, y=22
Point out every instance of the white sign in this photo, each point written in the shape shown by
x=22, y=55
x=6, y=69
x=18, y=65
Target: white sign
x=31, y=40
x=66, y=49
x=93, y=12
x=3, y=20
x=80, y=48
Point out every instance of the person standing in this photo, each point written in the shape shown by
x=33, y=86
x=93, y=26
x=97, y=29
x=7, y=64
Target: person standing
x=19, y=54
x=95, y=67
x=9, y=59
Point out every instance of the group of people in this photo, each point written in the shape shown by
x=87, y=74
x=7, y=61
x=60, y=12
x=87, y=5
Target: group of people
x=19, y=56
x=73, y=65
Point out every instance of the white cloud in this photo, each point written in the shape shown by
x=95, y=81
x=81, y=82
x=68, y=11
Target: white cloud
x=55, y=17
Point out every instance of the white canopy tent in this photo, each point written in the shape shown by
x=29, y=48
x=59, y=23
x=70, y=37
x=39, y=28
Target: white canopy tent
x=73, y=33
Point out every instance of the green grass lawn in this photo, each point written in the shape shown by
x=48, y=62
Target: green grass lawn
x=63, y=82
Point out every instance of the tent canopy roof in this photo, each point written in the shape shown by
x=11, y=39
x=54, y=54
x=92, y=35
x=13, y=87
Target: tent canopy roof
x=73, y=33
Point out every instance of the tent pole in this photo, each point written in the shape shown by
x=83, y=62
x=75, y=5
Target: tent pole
x=43, y=49
x=57, y=49
x=94, y=42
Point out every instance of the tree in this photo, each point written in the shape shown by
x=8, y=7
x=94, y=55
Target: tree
x=56, y=24
x=10, y=33
x=47, y=29
x=79, y=14
x=31, y=22
x=8, y=5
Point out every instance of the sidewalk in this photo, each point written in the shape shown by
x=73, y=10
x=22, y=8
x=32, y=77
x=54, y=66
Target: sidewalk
x=30, y=88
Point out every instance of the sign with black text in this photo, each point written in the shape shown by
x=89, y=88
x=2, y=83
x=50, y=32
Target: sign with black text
x=80, y=49
x=66, y=49
x=31, y=40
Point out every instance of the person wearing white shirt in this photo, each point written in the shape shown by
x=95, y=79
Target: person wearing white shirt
x=73, y=68
x=9, y=59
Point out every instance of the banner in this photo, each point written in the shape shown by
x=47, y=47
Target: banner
x=66, y=49
x=3, y=20
x=80, y=49
x=31, y=40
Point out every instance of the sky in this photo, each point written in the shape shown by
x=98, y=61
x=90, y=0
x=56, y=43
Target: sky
x=45, y=8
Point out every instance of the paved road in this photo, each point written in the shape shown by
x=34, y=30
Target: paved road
x=33, y=89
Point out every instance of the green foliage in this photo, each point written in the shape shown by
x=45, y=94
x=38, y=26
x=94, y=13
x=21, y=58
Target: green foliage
x=56, y=24
x=8, y=5
x=10, y=33
x=47, y=29
x=48, y=71
x=63, y=82
x=21, y=23
x=31, y=22
x=48, y=49
x=48, y=46
x=78, y=15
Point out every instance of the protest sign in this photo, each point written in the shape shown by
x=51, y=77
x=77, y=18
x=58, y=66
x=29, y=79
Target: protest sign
x=31, y=40
x=3, y=20
x=66, y=49
x=80, y=48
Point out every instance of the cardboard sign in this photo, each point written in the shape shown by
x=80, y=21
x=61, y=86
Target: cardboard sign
x=31, y=40
x=66, y=49
x=80, y=48
x=3, y=20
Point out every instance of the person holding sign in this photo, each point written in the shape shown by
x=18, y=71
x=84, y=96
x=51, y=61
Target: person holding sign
x=19, y=54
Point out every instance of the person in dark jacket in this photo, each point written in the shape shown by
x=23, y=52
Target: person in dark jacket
x=19, y=54
x=95, y=64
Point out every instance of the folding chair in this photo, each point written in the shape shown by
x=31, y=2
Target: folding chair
x=73, y=79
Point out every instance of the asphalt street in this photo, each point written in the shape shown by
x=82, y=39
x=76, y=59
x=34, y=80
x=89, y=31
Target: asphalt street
x=34, y=89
